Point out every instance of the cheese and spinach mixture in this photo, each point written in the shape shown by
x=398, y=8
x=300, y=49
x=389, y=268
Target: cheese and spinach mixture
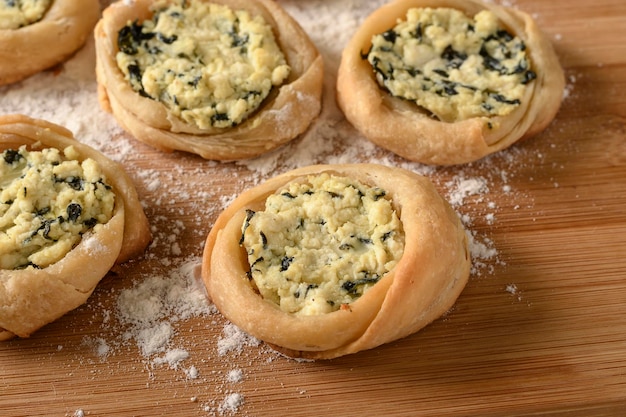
x=15, y=14
x=319, y=245
x=452, y=65
x=48, y=200
x=210, y=65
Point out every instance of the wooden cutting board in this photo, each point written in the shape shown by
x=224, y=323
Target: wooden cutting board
x=539, y=329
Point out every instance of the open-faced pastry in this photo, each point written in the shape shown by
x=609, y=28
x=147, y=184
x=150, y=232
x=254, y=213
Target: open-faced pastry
x=329, y=260
x=38, y=34
x=449, y=81
x=67, y=215
x=225, y=79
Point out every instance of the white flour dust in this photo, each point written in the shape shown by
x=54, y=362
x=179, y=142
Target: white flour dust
x=149, y=312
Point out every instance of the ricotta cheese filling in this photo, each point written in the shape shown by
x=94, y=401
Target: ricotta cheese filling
x=48, y=200
x=320, y=245
x=15, y=14
x=452, y=65
x=208, y=64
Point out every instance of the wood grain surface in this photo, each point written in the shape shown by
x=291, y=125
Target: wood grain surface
x=539, y=330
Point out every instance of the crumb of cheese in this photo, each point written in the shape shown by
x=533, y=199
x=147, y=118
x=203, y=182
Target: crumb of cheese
x=15, y=14
x=321, y=244
x=210, y=65
x=48, y=200
x=452, y=65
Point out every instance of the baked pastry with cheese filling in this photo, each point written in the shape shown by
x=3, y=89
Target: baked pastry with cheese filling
x=329, y=260
x=63, y=206
x=449, y=81
x=38, y=34
x=224, y=79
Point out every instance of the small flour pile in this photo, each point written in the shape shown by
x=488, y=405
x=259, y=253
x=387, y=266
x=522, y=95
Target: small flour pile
x=150, y=308
x=146, y=318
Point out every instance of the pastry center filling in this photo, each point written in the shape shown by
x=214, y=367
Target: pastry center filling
x=452, y=65
x=320, y=245
x=15, y=14
x=48, y=200
x=208, y=64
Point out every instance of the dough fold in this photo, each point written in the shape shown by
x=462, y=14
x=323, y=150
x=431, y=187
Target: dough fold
x=285, y=114
x=425, y=283
x=43, y=44
x=413, y=133
x=31, y=298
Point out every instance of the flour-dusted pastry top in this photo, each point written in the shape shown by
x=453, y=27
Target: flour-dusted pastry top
x=225, y=79
x=64, y=205
x=38, y=34
x=329, y=260
x=448, y=81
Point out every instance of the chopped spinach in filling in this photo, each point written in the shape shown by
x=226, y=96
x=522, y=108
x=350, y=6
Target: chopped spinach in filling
x=321, y=244
x=454, y=66
x=15, y=14
x=210, y=65
x=48, y=200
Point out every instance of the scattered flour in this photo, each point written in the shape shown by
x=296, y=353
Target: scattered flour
x=150, y=311
x=234, y=340
x=231, y=403
x=235, y=375
x=99, y=345
x=513, y=290
x=172, y=357
x=192, y=372
x=461, y=188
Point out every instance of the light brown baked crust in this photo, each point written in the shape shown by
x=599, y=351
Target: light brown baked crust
x=41, y=45
x=405, y=129
x=283, y=116
x=31, y=298
x=425, y=283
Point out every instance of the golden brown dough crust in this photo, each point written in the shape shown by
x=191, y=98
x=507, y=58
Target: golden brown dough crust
x=403, y=128
x=424, y=284
x=41, y=45
x=283, y=116
x=31, y=298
